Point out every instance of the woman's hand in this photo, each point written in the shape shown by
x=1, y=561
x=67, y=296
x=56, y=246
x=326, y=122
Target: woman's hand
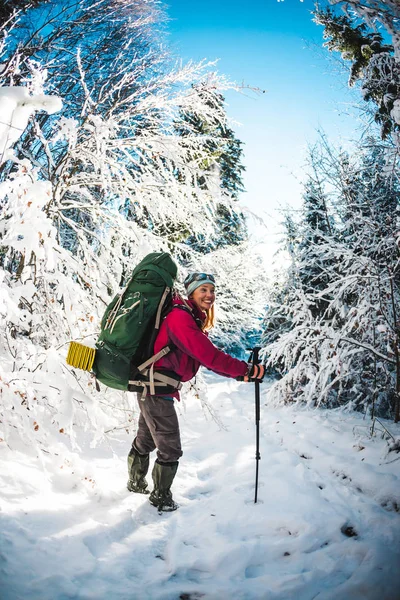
x=254, y=373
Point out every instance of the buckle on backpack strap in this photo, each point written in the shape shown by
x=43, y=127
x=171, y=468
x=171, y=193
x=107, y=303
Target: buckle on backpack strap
x=160, y=381
x=141, y=384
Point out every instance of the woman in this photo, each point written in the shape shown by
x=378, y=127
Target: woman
x=186, y=328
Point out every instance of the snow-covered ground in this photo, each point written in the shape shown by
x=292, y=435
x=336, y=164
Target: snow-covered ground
x=326, y=526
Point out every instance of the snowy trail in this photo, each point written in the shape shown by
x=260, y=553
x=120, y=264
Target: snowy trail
x=327, y=524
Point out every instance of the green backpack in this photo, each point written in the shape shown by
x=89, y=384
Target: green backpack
x=129, y=328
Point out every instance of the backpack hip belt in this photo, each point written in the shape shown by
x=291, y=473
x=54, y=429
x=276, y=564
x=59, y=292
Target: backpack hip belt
x=154, y=379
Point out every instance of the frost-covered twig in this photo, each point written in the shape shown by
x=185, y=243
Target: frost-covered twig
x=376, y=420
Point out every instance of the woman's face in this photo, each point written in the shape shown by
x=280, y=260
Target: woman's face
x=204, y=296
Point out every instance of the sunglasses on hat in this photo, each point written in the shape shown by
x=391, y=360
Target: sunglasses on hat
x=198, y=277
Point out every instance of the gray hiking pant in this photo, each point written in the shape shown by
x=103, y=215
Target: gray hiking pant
x=158, y=427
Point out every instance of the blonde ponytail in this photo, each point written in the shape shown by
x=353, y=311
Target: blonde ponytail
x=209, y=323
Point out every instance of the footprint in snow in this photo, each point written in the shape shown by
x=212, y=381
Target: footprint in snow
x=199, y=492
x=348, y=530
x=341, y=475
x=390, y=505
x=254, y=571
x=205, y=474
x=243, y=487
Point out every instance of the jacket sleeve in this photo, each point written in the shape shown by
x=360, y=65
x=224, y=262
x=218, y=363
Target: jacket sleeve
x=183, y=331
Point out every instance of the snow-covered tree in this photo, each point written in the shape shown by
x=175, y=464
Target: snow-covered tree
x=317, y=227
x=346, y=352
x=111, y=159
x=221, y=171
x=373, y=62
x=385, y=12
x=86, y=192
x=337, y=338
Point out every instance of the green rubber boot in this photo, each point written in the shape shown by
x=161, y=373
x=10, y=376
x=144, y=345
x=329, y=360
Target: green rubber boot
x=138, y=465
x=163, y=475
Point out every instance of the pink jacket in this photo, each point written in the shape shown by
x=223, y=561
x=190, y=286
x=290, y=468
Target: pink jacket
x=193, y=348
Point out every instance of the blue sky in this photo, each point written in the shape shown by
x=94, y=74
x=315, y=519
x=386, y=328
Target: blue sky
x=274, y=46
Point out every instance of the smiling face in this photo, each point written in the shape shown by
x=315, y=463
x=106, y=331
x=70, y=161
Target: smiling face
x=204, y=296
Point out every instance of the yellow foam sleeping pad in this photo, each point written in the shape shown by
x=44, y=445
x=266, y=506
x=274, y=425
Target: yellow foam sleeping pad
x=80, y=356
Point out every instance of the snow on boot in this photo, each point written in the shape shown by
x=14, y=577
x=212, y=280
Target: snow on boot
x=163, y=476
x=138, y=465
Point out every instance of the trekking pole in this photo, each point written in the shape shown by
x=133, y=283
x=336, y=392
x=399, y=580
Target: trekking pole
x=254, y=358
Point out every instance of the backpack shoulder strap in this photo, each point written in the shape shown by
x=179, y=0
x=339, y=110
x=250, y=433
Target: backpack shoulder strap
x=187, y=309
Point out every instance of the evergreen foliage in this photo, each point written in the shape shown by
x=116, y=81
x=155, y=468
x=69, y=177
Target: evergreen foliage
x=336, y=334
x=224, y=160
x=372, y=62
x=355, y=42
x=332, y=328
x=317, y=227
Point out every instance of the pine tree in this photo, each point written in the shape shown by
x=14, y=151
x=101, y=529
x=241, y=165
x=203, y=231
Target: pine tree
x=277, y=318
x=224, y=160
x=316, y=231
x=349, y=350
x=373, y=63
x=338, y=339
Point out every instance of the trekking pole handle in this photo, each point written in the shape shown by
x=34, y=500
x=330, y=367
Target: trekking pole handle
x=254, y=355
